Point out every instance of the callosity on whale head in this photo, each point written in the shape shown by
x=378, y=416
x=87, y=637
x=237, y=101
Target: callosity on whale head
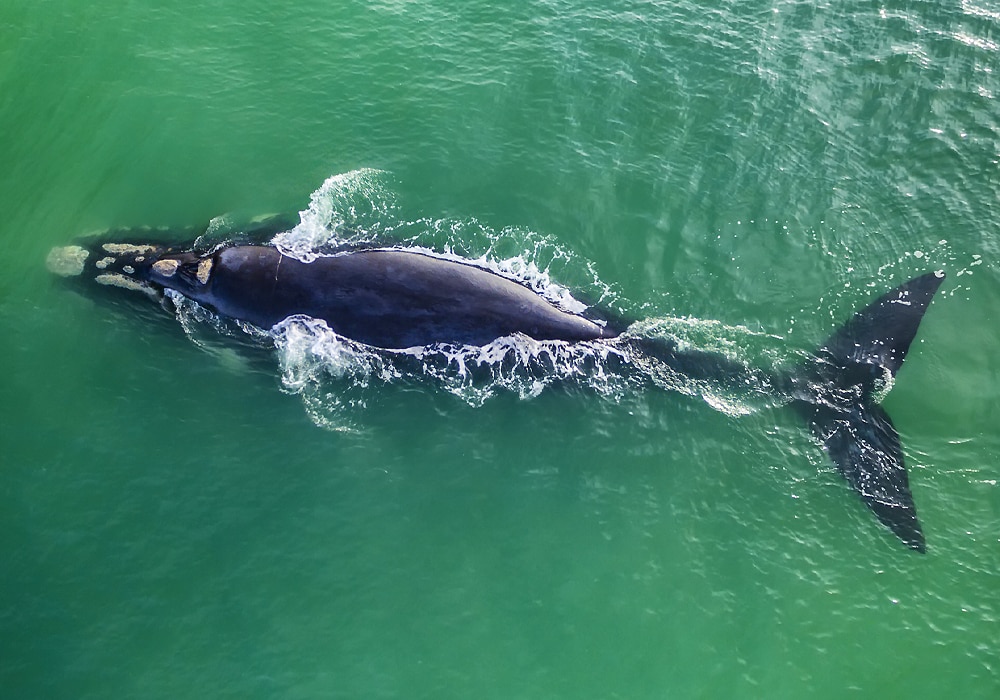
x=122, y=265
x=148, y=261
x=131, y=272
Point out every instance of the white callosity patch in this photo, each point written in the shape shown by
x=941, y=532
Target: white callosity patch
x=167, y=268
x=117, y=280
x=128, y=249
x=67, y=261
x=104, y=262
x=204, y=270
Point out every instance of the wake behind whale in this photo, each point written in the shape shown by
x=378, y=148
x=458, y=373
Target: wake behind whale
x=360, y=309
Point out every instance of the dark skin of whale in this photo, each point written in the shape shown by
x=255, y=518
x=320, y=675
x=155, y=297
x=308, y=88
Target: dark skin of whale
x=396, y=299
x=389, y=299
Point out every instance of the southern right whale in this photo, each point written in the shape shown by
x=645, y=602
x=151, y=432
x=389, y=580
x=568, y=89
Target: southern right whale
x=397, y=298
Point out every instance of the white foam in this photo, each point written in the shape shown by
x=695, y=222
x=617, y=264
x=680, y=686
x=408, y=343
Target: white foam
x=336, y=376
x=356, y=199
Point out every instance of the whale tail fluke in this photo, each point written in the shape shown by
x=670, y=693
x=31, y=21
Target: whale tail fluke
x=838, y=394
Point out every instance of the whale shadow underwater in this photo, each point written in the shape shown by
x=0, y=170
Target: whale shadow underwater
x=393, y=299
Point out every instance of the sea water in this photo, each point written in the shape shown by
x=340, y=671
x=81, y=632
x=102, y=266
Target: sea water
x=194, y=510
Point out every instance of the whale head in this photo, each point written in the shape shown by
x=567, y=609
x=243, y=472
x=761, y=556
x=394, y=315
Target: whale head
x=137, y=263
x=108, y=264
x=131, y=271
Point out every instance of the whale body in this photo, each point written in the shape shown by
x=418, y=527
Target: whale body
x=398, y=298
x=383, y=298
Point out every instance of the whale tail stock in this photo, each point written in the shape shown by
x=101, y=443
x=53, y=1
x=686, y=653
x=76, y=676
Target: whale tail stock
x=838, y=392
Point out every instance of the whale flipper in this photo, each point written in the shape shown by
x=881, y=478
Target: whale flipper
x=843, y=384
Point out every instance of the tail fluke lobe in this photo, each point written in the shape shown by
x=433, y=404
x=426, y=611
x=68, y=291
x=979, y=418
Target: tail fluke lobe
x=880, y=334
x=865, y=446
x=838, y=395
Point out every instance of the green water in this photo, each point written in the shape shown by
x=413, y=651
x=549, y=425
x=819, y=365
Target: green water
x=175, y=524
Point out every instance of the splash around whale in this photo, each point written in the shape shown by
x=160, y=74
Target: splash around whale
x=405, y=302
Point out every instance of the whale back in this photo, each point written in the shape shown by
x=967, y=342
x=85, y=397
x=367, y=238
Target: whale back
x=388, y=298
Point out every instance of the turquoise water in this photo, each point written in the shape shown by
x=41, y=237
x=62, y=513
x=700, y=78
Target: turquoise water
x=174, y=521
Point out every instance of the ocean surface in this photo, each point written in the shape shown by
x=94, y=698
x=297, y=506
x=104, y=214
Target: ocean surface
x=189, y=512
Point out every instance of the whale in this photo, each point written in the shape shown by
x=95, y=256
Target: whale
x=396, y=298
